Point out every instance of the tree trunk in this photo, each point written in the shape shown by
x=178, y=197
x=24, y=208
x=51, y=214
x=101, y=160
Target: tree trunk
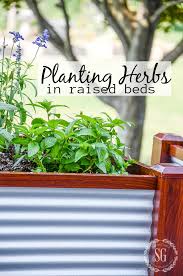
x=132, y=108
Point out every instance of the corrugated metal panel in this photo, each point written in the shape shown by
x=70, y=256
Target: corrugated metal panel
x=177, y=161
x=83, y=232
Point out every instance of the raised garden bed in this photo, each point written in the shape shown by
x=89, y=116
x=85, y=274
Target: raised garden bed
x=75, y=223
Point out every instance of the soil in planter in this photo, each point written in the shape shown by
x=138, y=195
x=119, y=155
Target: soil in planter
x=7, y=162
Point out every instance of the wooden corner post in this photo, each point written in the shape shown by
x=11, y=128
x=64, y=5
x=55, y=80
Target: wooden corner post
x=168, y=202
x=161, y=147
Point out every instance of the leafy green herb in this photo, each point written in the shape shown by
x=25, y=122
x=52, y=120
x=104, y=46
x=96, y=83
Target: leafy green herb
x=84, y=145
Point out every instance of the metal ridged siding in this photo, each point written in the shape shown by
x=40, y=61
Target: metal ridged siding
x=74, y=232
x=177, y=161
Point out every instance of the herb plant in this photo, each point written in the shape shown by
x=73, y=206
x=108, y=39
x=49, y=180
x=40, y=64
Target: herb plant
x=84, y=144
x=14, y=79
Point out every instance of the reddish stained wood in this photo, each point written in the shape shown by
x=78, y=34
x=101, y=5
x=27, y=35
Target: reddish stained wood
x=176, y=151
x=168, y=205
x=167, y=169
x=161, y=147
x=168, y=200
x=97, y=181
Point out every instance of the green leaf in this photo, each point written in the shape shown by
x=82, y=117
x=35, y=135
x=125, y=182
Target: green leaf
x=33, y=148
x=63, y=122
x=20, y=141
x=73, y=167
x=57, y=115
x=55, y=151
x=104, y=133
x=8, y=107
x=53, y=123
x=39, y=130
x=108, y=117
x=118, y=121
x=56, y=122
x=23, y=115
x=48, y=106
x=6, y=135
x=45, y=105
x=59, y=105
x=86, y=132
x=102, y=153
x=86, y=118
x=68, y=160
x=121, y=123
x=33, y=85
x=49, y=142
x=29, y=99
x=85, y=162
x=38, y=121
x=130, y=124
x=99, y=145
x=102, y=166
x=118, y=157
x=22, y=129
x=59, y=134
x=92, y=150
x=79, y=154
x=70, y=126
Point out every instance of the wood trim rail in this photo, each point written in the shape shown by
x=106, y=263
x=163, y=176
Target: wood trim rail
x=52, y=180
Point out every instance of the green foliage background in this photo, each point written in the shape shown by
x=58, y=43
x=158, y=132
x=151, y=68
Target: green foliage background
x=171, y=19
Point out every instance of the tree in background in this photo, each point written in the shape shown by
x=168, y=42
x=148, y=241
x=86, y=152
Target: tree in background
x=136, y=29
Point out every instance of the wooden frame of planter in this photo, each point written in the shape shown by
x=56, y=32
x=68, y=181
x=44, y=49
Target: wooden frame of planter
x=143, y=181
x=165, y=178
x=167, y=163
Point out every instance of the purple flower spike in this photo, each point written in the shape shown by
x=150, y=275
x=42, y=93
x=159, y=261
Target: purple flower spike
x=42, y=40
x=16, y=36
x=46, y=35
x=18, y=53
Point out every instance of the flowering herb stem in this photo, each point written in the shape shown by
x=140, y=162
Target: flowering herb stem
x=2, y=64
x=13, y=81
x=34, y=56
x=32, y=61
x=11, y=52
x=41, y=42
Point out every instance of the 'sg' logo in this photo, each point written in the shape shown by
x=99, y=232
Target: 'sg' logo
x=161, y=255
